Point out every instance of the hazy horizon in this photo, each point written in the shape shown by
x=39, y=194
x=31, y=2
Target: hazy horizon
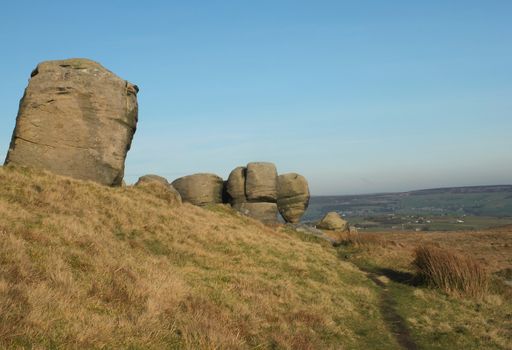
x=359, y=97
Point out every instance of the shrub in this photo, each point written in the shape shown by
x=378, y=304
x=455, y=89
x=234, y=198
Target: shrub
x=452, y=272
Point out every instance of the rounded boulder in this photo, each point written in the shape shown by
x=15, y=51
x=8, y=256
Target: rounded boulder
x=200, y=189
x=235, y=186
x=151, y=178
x=160, y=187
x=292, y=196
x=333, y=222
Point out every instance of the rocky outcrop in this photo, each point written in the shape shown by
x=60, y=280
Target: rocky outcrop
x=200, y=189
x=263, y=211
x=235, y=186
x=332, y=221
x=77, y=119
x=258, y=183
x=160, y=187
x=252, y=190
x=292, y=196
x=261, y=182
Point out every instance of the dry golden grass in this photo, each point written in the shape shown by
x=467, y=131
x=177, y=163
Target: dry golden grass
x=452, y=272
x=438, y=319
x=85, y=266
x=367, y=240
x=491, y=247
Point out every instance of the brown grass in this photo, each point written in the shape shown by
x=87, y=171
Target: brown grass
x=450, y=271
x=85, y=266
x=491, y=247
x=365, y=240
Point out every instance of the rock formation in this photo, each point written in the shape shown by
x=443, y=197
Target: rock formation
x=252, y=190
x=200, y=189
x=235, y=186
x=332, y=221
x=77, y=119
x=262, y=211
x=159, y=186
x=292, y=196
x=261, y=182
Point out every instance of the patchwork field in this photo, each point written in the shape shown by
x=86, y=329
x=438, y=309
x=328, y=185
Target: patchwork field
x=445, y=209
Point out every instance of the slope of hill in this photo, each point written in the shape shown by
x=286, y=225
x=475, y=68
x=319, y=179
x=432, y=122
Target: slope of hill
x=86, y=266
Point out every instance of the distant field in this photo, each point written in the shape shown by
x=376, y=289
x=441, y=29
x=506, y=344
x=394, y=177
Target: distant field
x=459, y=208
x=491, y=247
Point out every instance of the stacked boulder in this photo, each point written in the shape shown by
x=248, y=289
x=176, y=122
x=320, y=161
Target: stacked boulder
x=252, y=190
x=292, y=196
x=200, y=189
x=235, y=186
x=257, y=191
x=77, y=119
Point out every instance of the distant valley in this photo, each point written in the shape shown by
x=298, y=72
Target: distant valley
x=440, y=209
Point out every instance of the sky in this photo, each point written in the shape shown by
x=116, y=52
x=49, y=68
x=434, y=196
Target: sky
x=357, y=96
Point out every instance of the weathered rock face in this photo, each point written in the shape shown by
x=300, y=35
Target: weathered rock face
x=264, y=212
x=261, y=182
x=77, y=119
x=332, y=221
x=160, y=187
x=292, y=196
x=236, y=185
x=200, y=189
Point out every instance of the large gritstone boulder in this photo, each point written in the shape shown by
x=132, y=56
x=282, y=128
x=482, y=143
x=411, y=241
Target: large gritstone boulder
x=77, y=119
x=261, y=182
x=200, y=189
x=264, y=212
x=160, y=187
x=292, y=196
x=332, y=221
x=235, y=186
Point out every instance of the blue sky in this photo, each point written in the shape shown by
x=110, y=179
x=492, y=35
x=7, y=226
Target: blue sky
x=358, y=96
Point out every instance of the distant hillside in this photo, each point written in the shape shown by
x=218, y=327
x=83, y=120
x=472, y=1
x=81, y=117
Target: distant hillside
x=466, y=189
x=476, y=201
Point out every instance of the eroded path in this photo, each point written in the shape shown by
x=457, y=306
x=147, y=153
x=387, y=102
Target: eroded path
x=395, y=323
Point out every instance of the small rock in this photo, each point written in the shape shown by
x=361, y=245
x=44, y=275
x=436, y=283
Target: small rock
x=160, y=187
x=152, y=178
x=332, y=221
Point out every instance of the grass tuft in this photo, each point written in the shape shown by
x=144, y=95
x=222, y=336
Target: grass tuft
x=452, y=272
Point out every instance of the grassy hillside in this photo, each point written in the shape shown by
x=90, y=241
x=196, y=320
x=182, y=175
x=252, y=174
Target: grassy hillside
x=85, y=266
